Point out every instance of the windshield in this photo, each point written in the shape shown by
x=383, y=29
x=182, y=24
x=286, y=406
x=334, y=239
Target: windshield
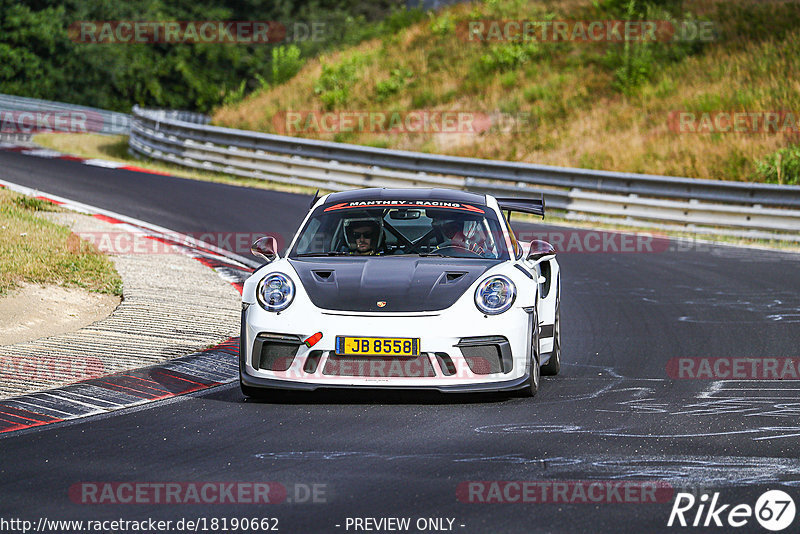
x=355, y=230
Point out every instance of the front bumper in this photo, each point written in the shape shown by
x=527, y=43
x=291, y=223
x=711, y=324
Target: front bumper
x=292, y=385
x=447, y=363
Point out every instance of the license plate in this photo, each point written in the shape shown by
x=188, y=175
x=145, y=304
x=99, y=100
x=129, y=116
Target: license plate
x=377, y=346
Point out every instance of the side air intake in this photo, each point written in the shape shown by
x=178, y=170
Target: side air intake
x=275, y=352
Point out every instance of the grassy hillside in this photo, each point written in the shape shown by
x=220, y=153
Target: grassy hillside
x=593, y=105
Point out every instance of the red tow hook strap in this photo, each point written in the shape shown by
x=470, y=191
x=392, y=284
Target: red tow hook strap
x=311, y=341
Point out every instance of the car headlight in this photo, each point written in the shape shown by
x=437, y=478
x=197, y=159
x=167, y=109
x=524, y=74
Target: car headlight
x=275, y=292
x=495, y=295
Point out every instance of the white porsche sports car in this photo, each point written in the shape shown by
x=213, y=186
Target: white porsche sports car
x=403, y=288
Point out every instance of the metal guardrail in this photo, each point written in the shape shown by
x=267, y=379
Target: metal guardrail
x=731, y=208
x=183, y=116
x=96, y=120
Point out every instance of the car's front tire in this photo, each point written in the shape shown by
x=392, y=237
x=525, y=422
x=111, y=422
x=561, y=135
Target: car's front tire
x=532, y=385
x=534, y=375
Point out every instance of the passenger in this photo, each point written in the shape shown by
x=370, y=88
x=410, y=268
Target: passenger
x=455, y=234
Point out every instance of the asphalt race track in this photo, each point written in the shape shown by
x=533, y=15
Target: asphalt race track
x=614, y=414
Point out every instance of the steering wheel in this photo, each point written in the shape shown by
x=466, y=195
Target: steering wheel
x=458, y=247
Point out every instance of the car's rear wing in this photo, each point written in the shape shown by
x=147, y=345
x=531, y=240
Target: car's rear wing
x=534, y=206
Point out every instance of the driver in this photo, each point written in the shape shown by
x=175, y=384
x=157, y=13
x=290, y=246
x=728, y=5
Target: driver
x=363, y=236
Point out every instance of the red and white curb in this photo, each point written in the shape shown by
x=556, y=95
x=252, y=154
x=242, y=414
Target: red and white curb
x=187, y=374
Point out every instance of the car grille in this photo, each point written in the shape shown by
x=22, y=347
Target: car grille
x=482, y=360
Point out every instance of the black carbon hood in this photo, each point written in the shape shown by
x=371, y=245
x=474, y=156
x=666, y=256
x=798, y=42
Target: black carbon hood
x=403, y=283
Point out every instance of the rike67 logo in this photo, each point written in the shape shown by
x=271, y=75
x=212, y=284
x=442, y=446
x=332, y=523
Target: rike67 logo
x=774, y=510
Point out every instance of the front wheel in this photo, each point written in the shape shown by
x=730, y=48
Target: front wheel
x=532, y=385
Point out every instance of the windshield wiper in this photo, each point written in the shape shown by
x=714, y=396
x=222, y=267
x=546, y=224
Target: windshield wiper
x=429, y=254
x=320, y=254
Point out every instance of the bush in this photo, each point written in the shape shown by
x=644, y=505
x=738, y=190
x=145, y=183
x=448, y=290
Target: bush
x=508, y=80
x=397, y=80
x=508, y=56
x=635, y=66
x=634, y=63
x=443, y=25
x=286, y=62
x=235, y=96
x=333, y=85
x=400, y=19
x=781, y=167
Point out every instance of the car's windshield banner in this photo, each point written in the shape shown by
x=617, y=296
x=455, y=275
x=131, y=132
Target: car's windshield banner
x=405, y=204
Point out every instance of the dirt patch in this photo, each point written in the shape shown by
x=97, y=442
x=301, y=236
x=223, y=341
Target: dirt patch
x=33, y=311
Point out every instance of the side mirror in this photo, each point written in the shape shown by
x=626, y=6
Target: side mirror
x=539, y=250
x=265, y=247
